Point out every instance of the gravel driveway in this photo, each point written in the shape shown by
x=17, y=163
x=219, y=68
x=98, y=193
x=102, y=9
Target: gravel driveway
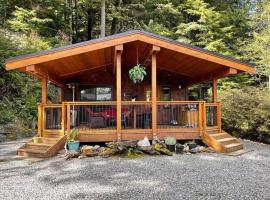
x=200, y=176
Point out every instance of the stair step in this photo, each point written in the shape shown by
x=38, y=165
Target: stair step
x=31, y=152
x=52, y=135
x=221, y=135
x=38, y=146
x=226, y=141
x=46, y=140
x=233, y=147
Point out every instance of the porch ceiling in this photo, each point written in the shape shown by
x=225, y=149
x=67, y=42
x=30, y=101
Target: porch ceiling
x=75, y=61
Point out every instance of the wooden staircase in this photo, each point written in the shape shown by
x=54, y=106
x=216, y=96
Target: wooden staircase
x=221, y=142
x=43, y=147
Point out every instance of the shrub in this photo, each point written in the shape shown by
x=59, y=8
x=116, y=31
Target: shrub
x=246, y=113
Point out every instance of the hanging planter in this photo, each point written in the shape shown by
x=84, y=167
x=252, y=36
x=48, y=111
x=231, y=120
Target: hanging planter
x=137, y=73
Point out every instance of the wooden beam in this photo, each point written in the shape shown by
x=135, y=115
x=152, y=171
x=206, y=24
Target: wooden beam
x=118, y=52
x=87, y=69
x=44, y=90
x=214, y=90
x=39, y=72
x=215, y=75
x=155, y=50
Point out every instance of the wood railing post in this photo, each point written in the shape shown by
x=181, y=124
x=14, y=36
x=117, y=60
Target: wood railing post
x=155, y=50
x=201, y=118
x=40, y=120
x=68, y=118
x=219, y=116
x=204, y=117
x=63, y=119
x=118, y=52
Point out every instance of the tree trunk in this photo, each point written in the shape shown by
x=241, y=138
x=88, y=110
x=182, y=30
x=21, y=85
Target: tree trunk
x=114, y=20
x=102, y=19
x=89, y=23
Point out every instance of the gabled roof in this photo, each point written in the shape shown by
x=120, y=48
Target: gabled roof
x=122, y=38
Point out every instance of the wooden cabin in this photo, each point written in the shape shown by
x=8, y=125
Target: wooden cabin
x=99, y=99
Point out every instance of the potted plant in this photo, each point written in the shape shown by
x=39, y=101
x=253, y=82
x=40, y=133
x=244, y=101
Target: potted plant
x=73, y=144
x=170, y=143
x=137, y=73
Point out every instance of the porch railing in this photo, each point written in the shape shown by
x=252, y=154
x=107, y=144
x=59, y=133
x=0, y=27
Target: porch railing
x=175, y=114
x=213, y=115
x=52, y=115
x=93, y=116
x=136, y=115
x=86, y=116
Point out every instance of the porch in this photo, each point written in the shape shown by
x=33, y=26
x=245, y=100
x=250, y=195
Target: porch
x=97, y=121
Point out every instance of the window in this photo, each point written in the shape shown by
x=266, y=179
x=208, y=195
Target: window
x=167, y=95
x=96, y=94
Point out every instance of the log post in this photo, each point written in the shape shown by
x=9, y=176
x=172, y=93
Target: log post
x=44, y=91
x=40, y=120
x=68, y=118
x=63, y=119
x=118, y=53
x=155, y=50
x=214, y=90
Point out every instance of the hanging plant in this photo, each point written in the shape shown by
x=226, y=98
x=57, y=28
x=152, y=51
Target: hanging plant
x=137, y=73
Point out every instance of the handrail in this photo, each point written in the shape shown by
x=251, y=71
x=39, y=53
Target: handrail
x=136, y=102
x=90, y=102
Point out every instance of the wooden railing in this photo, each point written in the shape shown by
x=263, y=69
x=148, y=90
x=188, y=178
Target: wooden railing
x=178, y=114
x=213, y=115
x=93, y=116
x=86, y=116
x=136, y=115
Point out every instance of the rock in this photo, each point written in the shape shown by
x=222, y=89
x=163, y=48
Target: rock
x=162, y=150
x=144, y=143
x=107, y=152
x=96, y=147
x=149, y=150
x=195, y=150
x=72, y=155
x=186, y=148
x=82, y=156
x=87, y=150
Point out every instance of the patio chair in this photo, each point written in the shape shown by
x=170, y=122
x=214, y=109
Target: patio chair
x=96, y=120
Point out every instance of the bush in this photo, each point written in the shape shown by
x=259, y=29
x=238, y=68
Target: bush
x=246, y=113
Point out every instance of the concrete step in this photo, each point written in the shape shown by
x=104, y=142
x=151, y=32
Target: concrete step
x=233, y=147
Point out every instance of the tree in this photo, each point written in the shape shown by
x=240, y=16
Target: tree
x=257, y=48
x=102, y=19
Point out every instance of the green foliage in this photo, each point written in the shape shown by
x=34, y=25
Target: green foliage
x=73, y=135
x=137, y=73
x=170, y=141
x=246, y=113
x=26, y=21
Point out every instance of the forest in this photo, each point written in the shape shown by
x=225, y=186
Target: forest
x=238, y=28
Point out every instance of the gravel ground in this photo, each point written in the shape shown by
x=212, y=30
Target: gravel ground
x=200, y=176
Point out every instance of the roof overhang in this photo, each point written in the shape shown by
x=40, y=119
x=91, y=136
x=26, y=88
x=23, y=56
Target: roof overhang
x=40, y=59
